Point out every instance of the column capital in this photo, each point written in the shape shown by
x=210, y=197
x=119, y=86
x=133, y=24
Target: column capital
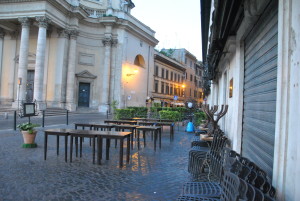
x=73, y=33
x=43, y=21
x=25, y=22
x=13, y=34
x=114, y=42
x=62, y=33
x=107, y=41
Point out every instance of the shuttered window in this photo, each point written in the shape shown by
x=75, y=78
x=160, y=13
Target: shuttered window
x=260, y=90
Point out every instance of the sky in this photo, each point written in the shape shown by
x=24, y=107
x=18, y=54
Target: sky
x=176, y=23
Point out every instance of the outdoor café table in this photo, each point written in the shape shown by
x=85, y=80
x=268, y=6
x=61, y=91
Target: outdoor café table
x=123, y=127
x=120, y=122
x=155, y=129
x=100, y=135
x=153, y=123
x=83, y=125
x=114, y=135
x=58, y=132
x=171, y=128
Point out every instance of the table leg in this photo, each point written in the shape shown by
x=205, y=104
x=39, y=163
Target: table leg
x=66, y=148
x=93, y=149
x=80, y=146
x=45, y=145
x=132, y=138
x=121, y=152
x=144, y=136
x=57, y=144
x=99, y=149
x=172, y=132
x=76, y=146
x=107, y=148
x=155, y=139
x=159, y=132
x=71, y=148
x=128, y=148
x=138, y=139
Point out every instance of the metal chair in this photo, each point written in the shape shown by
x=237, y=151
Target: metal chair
x=229, y=188
x=198, y=155
x=219, y=163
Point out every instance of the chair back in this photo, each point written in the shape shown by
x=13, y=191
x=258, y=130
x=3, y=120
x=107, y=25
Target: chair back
x=230, y=187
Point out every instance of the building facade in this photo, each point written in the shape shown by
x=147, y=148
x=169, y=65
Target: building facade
x=251, y=51
x=168, y=80
x=193, y=75
x=71, y=54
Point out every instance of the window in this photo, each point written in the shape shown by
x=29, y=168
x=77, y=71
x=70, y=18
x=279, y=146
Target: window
x=156, y=86
x=172, y=76
x=162, y=90
x=163, y=73
x=171, y=90
x=182, y=78
x=186, y=77
x=167, y=89
x=195, y=94
x=167, y=74
x=190, y=92
x=191, y=78
x=191, y=64
x=175, y=77
x=156, y=71
x=185, y=60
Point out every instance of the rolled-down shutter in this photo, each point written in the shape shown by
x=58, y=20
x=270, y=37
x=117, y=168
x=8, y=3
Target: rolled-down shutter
x=260, y=90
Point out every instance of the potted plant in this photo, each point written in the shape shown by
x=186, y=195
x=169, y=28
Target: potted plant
x=29, y=134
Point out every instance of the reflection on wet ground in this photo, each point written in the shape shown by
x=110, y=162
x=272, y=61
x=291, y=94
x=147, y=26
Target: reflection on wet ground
x=150, y=175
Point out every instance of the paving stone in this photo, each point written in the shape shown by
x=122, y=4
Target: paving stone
x=25, y=175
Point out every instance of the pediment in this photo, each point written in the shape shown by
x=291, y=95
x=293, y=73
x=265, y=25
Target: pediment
x=86, y=74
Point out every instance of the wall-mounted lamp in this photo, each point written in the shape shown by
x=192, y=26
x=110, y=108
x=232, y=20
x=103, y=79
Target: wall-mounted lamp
x=230, y=88
x=135, y=71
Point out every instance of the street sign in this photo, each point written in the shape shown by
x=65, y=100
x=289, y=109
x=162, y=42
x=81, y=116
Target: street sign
x=175, y=97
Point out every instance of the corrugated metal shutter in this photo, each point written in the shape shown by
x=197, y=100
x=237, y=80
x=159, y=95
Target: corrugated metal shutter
x=260, y=90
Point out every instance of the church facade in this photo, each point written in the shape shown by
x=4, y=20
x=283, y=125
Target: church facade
x=73, y=54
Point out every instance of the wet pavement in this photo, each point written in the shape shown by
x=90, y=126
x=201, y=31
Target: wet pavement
x=150, y=175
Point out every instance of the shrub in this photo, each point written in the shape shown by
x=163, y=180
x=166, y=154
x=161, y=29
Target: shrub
x=173, y=115
x=124, y=113
x=139, y=111
x=199, y=116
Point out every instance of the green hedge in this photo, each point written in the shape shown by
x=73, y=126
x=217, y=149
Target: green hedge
x=123, y=114
x=173, y=115
x=199, y=116
x=139, y=111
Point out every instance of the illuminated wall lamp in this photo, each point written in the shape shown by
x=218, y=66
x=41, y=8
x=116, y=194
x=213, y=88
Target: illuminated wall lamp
x=135, y=71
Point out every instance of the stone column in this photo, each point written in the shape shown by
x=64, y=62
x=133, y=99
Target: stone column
x=62, y=65
x=113, y=70
x=40, y=62
x=71, y=71
x=106, y=74
x=23, y=57
x=1, y=54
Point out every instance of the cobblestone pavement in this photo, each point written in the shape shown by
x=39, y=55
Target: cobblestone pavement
x=25, y=175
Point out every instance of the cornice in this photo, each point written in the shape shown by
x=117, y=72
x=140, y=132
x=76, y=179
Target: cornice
x=169, y=61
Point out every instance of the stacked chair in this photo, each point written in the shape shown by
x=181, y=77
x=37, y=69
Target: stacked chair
x=239, y=179
x=200, y=155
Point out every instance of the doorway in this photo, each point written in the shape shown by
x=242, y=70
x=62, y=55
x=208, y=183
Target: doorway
x=84, y=95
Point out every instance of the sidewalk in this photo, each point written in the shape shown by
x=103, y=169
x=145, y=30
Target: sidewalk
x=25, y=175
